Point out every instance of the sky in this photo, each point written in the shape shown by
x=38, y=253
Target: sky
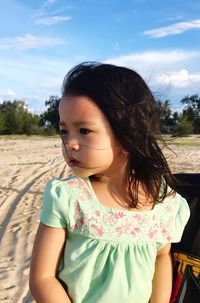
x=41, y=40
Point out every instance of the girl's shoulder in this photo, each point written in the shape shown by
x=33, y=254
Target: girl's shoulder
x=58, y=200
x=59, y=192
x=172, y=203
x=73, y=181
x=69, y=189
x=66, y=184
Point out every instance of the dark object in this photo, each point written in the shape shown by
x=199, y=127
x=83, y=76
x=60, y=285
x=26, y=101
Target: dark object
x=186, y=254
x=189, y=188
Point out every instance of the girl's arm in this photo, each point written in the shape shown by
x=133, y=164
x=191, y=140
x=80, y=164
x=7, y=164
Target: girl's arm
x=162, y=281
x=47, y=250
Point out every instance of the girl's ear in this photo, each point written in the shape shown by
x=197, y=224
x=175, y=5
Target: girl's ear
x=124, y=152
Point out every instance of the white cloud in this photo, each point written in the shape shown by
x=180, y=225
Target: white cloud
x=173, y=29
x=28, y=41
x=171, y=74
x=34, y=77
x=36, y=111
x=175, y=18
x=51, y=82
x=117, y=47
x=154, y=60
x=49, y=2
x=8, y=93
x=178, y=79
x=52, y=20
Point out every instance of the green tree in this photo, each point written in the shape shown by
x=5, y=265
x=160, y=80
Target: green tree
x=175, y=117
x=166, y=117
x=32, y=125
x=17, y=119
x=183, y=128
x=50, y=118
x=13, y=115
x=2, y=121
x=191, y=111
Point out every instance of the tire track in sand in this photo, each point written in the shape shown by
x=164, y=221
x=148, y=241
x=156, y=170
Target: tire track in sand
x=19, y=225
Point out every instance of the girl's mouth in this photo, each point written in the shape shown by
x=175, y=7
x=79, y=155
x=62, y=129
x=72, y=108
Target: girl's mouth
x=73, y=163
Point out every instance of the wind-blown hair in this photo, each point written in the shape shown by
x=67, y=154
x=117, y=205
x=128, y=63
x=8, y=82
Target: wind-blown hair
x=128, y=104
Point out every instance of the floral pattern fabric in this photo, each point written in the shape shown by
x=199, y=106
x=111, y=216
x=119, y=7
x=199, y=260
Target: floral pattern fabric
x=95, y=220
x=109, y=253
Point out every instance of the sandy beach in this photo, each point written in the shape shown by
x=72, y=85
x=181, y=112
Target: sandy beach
x=26, y=165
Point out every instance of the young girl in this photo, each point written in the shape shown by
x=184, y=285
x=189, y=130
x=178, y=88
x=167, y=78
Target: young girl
x=106, y=230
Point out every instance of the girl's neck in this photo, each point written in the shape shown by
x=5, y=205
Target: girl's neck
x=114, y=193
x=116, y=178
x=110, y=194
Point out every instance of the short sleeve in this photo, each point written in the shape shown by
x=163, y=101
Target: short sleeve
x=55, y=203
x=181, y=219
x=175, y=215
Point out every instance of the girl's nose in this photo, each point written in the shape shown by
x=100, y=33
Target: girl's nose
x=73, y=145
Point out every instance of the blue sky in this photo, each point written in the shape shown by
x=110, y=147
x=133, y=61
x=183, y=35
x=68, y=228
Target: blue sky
x=41, y=40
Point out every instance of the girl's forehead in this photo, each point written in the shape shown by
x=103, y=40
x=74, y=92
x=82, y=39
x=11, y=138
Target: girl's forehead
x=78, y=103
x=80, y=108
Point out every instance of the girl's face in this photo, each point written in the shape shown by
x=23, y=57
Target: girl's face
x=89, y=145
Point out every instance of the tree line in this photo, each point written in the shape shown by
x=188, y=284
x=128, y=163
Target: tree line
x=15, y=117
x=184, y=123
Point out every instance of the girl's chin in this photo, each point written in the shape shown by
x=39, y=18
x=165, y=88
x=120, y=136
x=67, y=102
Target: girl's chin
x=80, y=172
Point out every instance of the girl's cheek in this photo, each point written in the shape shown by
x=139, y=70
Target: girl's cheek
x=64, y=153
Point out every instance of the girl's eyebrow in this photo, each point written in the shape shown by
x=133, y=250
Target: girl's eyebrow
x=78, y=123
x=61, y=123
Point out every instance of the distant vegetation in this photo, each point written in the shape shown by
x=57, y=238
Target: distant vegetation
x=183, y=123
x=15, y=118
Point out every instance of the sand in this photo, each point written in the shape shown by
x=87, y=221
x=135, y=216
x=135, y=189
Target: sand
x=26, y=165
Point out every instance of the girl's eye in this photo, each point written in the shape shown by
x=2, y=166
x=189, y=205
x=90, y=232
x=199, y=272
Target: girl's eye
x=84, y=131
x=62, y=132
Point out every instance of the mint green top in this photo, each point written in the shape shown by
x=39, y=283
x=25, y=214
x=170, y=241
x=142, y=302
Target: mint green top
x=110, y=253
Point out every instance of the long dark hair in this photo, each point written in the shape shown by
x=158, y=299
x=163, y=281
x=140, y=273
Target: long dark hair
x=128, y=104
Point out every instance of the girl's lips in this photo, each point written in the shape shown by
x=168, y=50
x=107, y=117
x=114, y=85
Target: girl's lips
x=73, y=163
